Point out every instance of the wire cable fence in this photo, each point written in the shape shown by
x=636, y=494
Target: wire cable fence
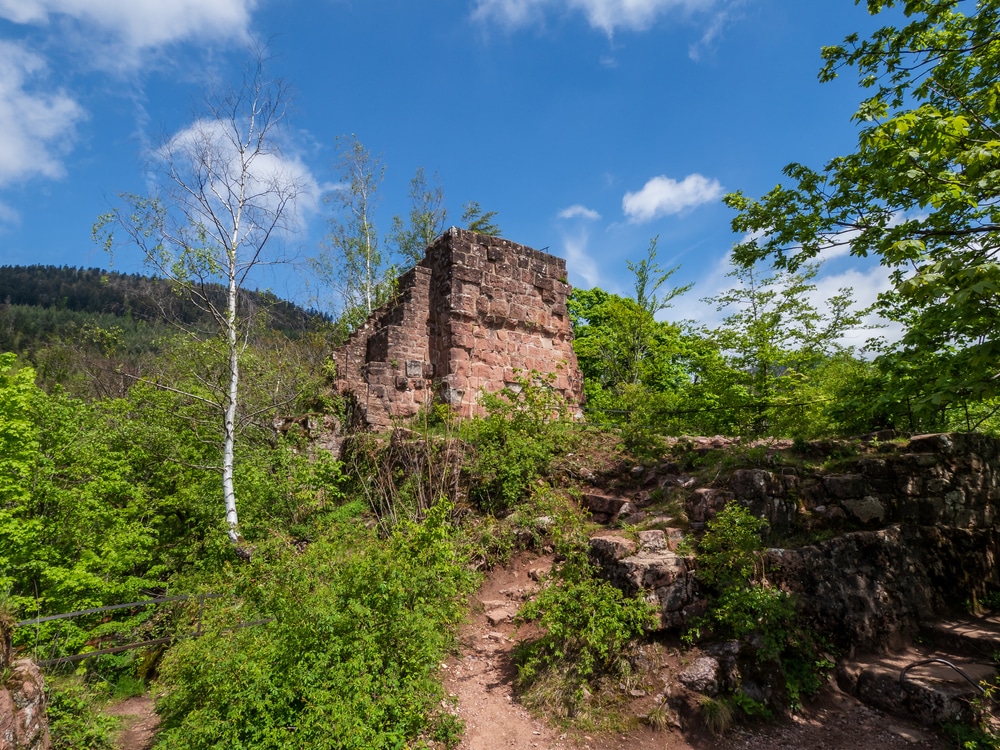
x=128, y=645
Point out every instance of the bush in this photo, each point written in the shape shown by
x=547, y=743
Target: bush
x=514, y=442
x=75, y=721
x=587, y=623
x=587, y=626
x=360, y=626
x=747, y=608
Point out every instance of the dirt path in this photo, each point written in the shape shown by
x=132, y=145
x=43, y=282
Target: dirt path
x=481, y=679
x=481, y=676
x=139, y=722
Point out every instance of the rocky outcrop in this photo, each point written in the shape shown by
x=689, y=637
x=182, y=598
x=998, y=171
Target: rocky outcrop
x=23, y=722
x=648, y=565
x=950, y=480
x=907, y=533
x=867, y=590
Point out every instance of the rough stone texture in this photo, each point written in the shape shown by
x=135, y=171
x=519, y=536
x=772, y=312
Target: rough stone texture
x=23, y=722
x=932, y=692
x=704, y=503
x=605, y=509
x=916, y=538
x=475, y=312
x=702, y=676
x=666, y=578
x=948, y=479
x=868, y=590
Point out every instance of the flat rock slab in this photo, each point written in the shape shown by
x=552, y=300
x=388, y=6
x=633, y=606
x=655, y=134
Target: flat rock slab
x=931, y=692
x=496, y=616
x=974, y=635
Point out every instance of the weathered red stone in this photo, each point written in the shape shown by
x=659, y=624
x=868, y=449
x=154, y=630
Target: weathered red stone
x=474, y=314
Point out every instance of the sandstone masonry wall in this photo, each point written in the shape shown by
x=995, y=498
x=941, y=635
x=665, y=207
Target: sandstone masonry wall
x=900, y=535
x=475, y=312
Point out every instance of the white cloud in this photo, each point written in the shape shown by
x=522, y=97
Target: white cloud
x=36, y=127
x=662, y=196
x=9, y=215
x=579, y=212
x=606, y=15
x=865, y=285
x=578, y=261
x=273, y=176
x=718, y=23
x=141, y=24
x=37, y=119
x=866, y=280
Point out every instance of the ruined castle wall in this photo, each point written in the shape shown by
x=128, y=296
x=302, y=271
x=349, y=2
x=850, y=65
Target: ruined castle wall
x=476, y=311
x=384, y=367
x=500, y=309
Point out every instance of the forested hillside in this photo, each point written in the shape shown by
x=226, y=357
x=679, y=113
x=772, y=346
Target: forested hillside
x=142, y=297
x=76, y=325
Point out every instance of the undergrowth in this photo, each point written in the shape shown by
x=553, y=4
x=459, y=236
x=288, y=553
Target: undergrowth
x=747, y=608
x=514, y=442
x=75, y=719
x=360, y=625
x=586, y=627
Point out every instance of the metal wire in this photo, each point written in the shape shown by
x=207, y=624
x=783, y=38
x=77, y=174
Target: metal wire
x=976, y=685
x=111, y=607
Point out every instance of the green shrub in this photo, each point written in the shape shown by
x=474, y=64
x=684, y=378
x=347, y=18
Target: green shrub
x=747, y=608
x=717, y=714
x=587, y=622
x=587, y=626
x=514, y=442
x=360, y=627
x=75, y=719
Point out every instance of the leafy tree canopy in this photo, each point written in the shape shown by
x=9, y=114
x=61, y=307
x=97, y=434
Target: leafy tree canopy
x=921, y=191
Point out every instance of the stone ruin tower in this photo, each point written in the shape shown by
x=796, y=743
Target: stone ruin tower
x=474, y=312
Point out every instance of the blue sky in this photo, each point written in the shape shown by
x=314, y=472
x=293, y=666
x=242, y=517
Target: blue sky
x=589, y=125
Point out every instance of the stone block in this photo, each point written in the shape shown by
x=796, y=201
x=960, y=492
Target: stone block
x=865, y=509
x=846, y=486
x=652, y=539
x=612, y=547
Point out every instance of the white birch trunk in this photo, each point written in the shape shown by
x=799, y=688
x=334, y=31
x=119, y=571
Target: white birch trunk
x=229, y=439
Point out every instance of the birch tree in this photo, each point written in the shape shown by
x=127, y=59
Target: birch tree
x=351, y=261
x=225, y=192
x=427, y=219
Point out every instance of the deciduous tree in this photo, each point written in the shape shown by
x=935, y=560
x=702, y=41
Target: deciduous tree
x=225, y=193
x=352, y=261
x=921, y=191
x=426, y=220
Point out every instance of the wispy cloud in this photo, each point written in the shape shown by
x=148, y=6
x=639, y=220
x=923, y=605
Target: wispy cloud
x=577, y=211
x=718, y=23
x=273, y=176
x=579, y=261
x=37, y=126
x=608, y=16
x=662, y=196
x=140, y=24
x=38, y=115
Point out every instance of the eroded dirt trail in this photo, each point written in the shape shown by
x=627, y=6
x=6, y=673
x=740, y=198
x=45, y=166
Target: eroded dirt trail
x=481, y=679
x=481, y=676
x=139, y=722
